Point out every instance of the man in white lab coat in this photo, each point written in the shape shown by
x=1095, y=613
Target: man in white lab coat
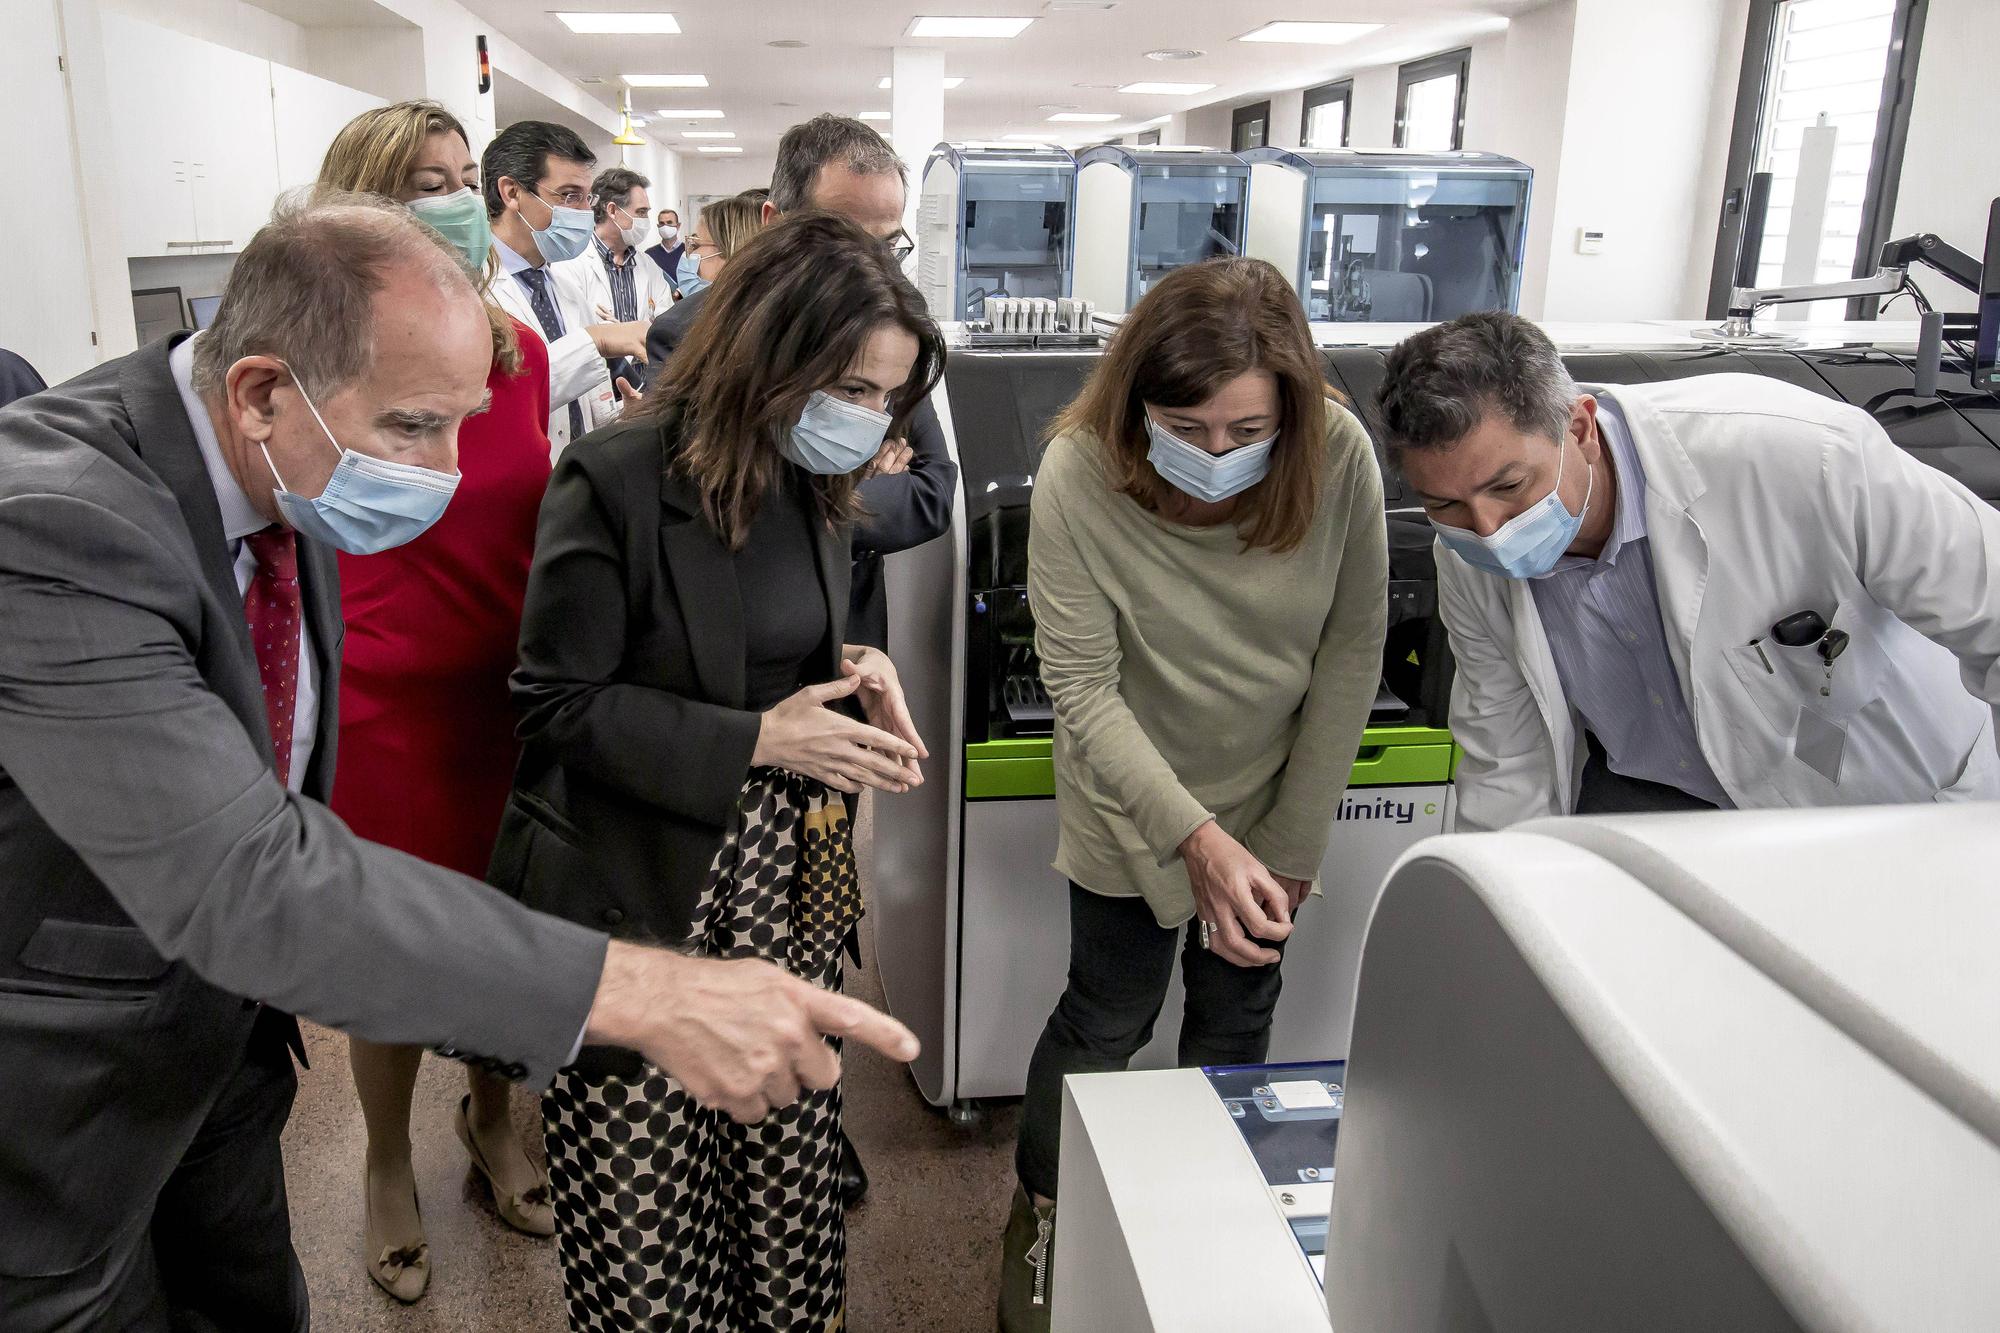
x=1721, y=591
x=537, y=183
x=614, y=280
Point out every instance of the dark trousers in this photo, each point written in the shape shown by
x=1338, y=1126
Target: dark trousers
x=1604, y=792
x=217, y=1255
x=1120, y=961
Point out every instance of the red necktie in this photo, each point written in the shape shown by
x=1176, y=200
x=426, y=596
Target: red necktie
x=271, y=605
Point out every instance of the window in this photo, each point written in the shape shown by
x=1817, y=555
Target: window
x=1824, y=96
x=1430, y=102
x=1149, y=139
x=1326, y=115
x=1250, y=126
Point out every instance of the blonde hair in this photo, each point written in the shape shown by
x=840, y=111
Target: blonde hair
x=731, y=223
x=374, y=154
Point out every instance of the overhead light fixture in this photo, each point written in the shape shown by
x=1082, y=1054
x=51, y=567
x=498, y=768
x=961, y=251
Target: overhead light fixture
x=711, y=148
x=665, y=80
x=601, y=23
x=875, y=115
x=1166, y=89
x=1309, y=34
x=1175, y=53
x=1086, y=117
x=950, y=83
x=786, y=44
x=669, y=113
x=628, y=137
x=966, y=26
x=708, y=134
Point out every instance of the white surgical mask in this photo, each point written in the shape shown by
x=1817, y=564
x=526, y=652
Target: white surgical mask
x=669, y=233
x=635, y=235
x=834, y=437
x=1528, y=545
x=1207, y=476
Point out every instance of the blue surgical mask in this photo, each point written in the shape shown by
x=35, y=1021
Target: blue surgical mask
x=369, y=504
x=1528, y=545
x=833, y=438
x=1204, y=475
x=687, y=275
x=461, y=219
x=568, y=233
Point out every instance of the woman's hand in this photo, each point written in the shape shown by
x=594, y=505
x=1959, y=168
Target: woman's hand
x=802, y=735
x=881, y=696
x=1241, y=901
x=894, y=458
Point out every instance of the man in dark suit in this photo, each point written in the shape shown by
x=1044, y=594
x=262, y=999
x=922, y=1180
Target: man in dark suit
x=17, y=378
x=173, y=888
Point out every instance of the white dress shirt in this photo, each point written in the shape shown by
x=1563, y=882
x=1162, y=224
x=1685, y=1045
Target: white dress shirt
x=239, y=520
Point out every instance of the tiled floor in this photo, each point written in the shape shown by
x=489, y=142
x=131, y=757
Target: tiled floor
x=922, y=1251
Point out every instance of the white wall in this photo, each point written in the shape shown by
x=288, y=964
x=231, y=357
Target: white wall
x=229, y=23
x=387, y=62
x=1951, y=164
x=1207, y=127
x=723, y=175
x=1371, y=116
x=1485, y=91
x=1531, y=97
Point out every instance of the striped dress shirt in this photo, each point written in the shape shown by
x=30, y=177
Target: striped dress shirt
x=1602, y=618
x=624, y=292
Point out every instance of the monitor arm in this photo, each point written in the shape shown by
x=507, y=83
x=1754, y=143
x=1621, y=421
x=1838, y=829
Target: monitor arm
x=1892, y=276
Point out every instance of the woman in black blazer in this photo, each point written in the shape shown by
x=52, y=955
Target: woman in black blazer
x=683, y=664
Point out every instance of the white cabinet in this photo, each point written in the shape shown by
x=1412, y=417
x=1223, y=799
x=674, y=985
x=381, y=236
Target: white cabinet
x=308, y=111
x=208, y=136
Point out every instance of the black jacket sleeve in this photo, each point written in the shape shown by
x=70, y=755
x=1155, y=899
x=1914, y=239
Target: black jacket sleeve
x=911, y=507
x=17, y=378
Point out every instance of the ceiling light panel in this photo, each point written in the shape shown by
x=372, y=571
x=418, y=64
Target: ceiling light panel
x=875, y=115
x=1310, y=34
x=665, y=80
x=1151, y=89
x=708, y=134
x=654, y=23
x=966, y=26
x=668, y=113
x=712, y=148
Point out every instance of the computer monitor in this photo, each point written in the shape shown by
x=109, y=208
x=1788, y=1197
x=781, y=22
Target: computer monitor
x=1986, y=341
x=203, y=309
x=156, y=312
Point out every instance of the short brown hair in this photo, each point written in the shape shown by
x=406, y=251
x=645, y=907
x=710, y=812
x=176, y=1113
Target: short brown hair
x=1198, y=329
x=1439, y=385
x=374, y=154
x=303, y=289
x=790, y=313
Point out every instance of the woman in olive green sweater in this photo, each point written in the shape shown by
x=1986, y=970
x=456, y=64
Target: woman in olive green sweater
x=1208, y=573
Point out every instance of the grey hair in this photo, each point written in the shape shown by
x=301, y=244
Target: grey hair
x=823, y=140
x=614, y=186
x=1440, y=384
x=303, y=289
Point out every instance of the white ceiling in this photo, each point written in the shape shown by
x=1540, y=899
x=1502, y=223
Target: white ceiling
x=848, y=50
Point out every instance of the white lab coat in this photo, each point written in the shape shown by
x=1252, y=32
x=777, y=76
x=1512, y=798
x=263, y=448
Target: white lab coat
x=590, y=287
x=1762, y=499
x=576, y=370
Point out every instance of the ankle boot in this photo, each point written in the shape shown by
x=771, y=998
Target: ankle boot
x=1027, y=1266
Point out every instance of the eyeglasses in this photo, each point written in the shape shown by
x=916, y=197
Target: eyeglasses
x=571, y=198
x=901, y=246
x=695, y=245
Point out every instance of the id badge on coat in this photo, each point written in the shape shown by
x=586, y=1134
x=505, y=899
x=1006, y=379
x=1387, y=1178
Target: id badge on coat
x=1820, y=743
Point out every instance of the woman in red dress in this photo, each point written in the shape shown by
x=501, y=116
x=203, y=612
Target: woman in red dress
x=426, y=748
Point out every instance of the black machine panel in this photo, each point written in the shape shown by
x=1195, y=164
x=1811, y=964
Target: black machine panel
x=1002, y=403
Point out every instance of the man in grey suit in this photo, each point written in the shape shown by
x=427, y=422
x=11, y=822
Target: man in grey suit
x=170, y=886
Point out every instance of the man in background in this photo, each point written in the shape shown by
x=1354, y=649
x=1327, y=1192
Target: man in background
x=539, y=200
x=613, y=281
x=666, y=250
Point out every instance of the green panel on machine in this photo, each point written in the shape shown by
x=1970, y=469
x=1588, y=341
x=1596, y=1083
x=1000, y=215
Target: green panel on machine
x=1015, y=770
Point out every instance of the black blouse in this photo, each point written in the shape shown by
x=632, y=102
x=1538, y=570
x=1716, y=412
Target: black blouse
x=784, y=610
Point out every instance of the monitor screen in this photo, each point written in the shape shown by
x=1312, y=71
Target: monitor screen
x=203, y=309
x=1986, y=342
x=1013, y=231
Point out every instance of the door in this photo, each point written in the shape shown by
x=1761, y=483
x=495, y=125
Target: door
x=146, y=74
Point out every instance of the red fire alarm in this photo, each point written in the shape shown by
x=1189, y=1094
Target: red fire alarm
x=485, y=67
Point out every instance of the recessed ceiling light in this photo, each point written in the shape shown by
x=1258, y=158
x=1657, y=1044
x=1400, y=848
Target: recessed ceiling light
x=1086, y=117
x=950, y=83
x=665, y=80
x=597, y=23
x=1309, y=34
x=1175, y=53
x=786, y=44
x=1166, y=89
x=1056, y=106
x=875, y=115
x=712, y=148
x=1100, y=87
x=708, y=134
x=963, y=26
x=669, y=113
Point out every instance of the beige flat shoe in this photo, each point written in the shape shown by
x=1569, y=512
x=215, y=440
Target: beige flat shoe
x=530, y=1211
x=402, y=1271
